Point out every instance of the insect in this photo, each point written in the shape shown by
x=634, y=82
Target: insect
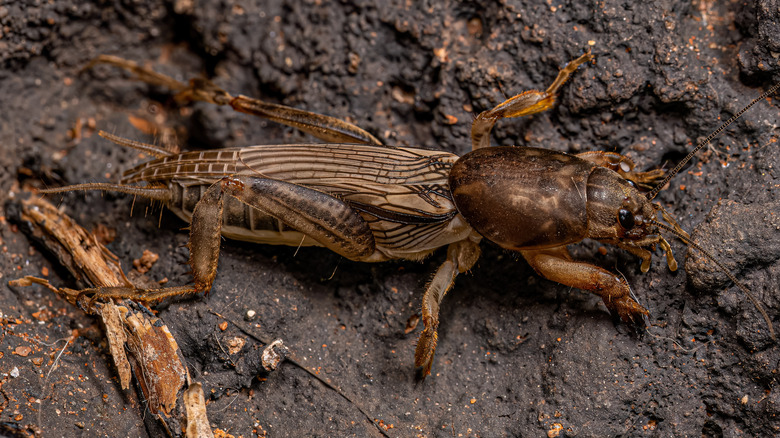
x=369, y=202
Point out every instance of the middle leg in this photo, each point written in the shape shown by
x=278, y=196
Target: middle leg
x=461, y=256
x=523, y=104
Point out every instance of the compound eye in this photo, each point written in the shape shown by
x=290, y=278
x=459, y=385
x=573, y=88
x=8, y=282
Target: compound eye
x=626, y=219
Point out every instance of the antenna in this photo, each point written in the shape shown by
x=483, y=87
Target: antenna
x=653, y=193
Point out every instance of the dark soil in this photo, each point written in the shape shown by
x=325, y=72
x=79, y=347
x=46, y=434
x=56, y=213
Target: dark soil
x=518, y=355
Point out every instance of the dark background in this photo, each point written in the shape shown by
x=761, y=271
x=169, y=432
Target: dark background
x=518, y=355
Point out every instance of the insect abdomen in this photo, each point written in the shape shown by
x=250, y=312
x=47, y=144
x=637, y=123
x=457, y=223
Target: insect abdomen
x=240, y=222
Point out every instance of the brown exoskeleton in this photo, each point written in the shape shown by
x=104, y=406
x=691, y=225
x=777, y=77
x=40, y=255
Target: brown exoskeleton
x=370, y=202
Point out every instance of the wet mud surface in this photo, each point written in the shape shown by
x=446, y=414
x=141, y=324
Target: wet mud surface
x=518, y=355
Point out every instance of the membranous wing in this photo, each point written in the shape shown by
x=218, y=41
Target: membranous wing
x=402, y=193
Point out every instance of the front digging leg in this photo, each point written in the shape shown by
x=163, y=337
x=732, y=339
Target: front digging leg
x=624, y=166
x=557, y=265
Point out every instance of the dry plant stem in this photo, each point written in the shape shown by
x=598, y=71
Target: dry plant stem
x=152, y=350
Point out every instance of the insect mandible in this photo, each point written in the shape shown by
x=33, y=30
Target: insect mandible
x=370, y=202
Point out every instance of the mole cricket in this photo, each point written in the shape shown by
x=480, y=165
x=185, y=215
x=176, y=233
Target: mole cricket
x=370, y=202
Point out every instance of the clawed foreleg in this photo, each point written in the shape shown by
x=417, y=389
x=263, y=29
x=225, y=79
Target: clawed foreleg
x=557, y=265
